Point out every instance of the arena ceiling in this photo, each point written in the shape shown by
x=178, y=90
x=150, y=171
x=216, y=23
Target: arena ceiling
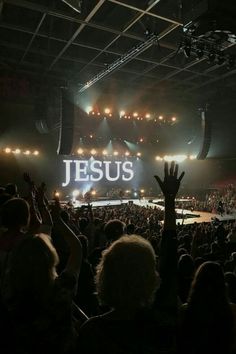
x=49, y=41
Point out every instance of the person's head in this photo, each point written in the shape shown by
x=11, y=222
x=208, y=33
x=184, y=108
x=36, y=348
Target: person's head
x=114, y=229
x=33, y=268
x=15, y=213
x=186, y=266
x=11, y=189
x=130, y=229
x=126, y=277
x=208, y=284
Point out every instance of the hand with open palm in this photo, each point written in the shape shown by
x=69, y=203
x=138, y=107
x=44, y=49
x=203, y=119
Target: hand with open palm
x=170, y=184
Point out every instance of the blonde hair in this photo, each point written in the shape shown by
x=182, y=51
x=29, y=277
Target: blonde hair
x=126, y=275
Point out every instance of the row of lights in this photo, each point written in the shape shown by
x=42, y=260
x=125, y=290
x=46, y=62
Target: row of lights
x=18, y=151
x=76, y=193
x=93, y=152
x=123, y=114
x=177, y=158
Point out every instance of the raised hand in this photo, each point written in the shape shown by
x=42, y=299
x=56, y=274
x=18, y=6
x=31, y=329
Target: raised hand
x=170, y=184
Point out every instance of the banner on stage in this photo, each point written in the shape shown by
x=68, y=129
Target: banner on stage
x=97, y=170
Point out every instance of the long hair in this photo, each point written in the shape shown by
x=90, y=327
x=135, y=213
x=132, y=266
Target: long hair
x=208, y=320
x=33, y=269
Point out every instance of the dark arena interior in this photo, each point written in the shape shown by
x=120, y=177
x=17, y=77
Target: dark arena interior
x=105, y=244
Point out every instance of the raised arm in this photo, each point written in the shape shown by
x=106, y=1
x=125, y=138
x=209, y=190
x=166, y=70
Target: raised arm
x=75, y=257
x=168, y=251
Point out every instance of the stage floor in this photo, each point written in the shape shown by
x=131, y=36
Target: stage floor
x=196, y=216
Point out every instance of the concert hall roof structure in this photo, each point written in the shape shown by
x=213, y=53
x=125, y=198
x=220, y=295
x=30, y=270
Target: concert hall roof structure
x=50, y=42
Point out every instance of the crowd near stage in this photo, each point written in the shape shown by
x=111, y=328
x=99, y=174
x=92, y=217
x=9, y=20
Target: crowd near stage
x=183, y=216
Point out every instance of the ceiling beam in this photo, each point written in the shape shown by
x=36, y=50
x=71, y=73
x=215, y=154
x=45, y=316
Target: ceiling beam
x=33, y=37
x=77, y=32
x=146, y=12
x=136, y=19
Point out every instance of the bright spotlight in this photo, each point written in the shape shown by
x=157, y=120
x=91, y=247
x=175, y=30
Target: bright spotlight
x=158, y=158
x=57, y=194
x=104, y=152
x=160, y=117
x=89, y=109
x=27, y=152
x=141, y=140
x=93, y=152
x=107, y=110
x=91, y=136
x=173, y=119
x=127, y=191
x=93, y=113
x=75, y=193
x=122, y=113
x=135, y=194
x=80, y=151
x=192, y=157
x=127, y=153
x=135, y=114
x=139, y=154
x=7, y=150
x=93, y=192
x=115, y=153
x=36, y=153
x=142, y=190
x=17, y=151
x=148, y=115
x=177, y=158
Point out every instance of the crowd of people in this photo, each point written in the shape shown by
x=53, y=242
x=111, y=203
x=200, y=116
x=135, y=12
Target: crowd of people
x=113, y=279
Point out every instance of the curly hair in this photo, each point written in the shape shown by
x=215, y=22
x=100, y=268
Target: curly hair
x=126, y=275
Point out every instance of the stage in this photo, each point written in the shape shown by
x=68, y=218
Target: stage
x=189, y=217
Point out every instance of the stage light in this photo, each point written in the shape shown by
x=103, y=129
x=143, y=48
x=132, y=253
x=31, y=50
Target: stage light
x=104, y=152
x=17, y=151
x=122, y=113
x=110, y=115
x=99, y=113
x=173, y=119
x=139, y=154
x=7, y=150
x=80, y=151
x=115, y=153
x=93, y=113
x=141, y=140
x=160, y=117
x=107, y=110
x=93, y=192
x=127, y=153
x=192, y=157
x=148, y=115
x=142, y=190
x=27, y=152
x=89, y=109
x=158, y=158
x=135, y=114
x=36, y=153
x=57, y=194
x=177, y=158
x=127, y=191
x=75, y=193
x=91, y=136
x=93, y=152
x=128, y=117
x=135, y=194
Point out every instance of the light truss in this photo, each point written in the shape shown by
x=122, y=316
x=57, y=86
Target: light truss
x=124, y=59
